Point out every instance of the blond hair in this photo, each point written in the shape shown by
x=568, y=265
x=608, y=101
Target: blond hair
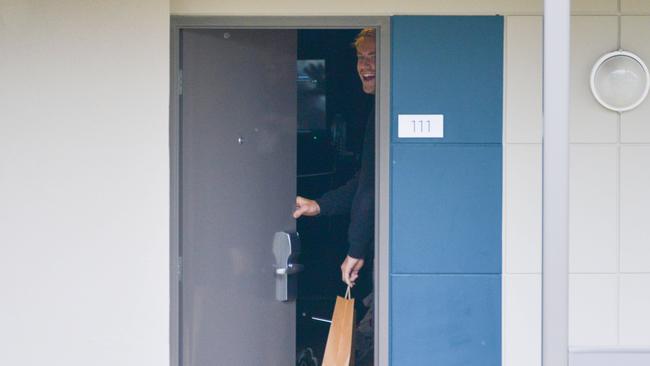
x=365, y=33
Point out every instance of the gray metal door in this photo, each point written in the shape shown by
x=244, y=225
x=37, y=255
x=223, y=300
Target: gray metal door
x=238, y=186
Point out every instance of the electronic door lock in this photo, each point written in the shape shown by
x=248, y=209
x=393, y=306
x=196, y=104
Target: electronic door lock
x=286, y=248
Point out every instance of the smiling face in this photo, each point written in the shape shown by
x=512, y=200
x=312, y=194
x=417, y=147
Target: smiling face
x=366, y=63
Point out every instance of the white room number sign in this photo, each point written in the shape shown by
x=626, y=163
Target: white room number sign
x=420, y=126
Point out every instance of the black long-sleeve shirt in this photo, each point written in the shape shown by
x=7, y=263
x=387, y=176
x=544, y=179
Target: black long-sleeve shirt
x=357, y=196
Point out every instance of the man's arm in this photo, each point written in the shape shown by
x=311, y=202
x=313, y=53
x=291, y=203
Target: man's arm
x=362, y=221
x=360, y=234
x=335, y=202
x=339, y=200
x=362, y=218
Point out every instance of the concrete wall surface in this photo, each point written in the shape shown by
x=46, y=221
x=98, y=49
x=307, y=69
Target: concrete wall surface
x=609, y=164
x=397, y=7
x=84, y=182
x=84, y=175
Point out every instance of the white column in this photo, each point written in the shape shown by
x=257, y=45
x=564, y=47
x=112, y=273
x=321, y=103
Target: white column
x=555, y=280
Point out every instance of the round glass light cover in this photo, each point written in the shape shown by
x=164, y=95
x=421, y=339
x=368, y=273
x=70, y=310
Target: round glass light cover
x=620, y=81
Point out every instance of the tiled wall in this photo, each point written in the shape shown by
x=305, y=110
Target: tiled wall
x=446, y=194
x=609, y=193
x=522, y=231
x=609, y=196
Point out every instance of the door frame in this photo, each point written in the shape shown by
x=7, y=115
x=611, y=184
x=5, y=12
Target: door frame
x=382, y=154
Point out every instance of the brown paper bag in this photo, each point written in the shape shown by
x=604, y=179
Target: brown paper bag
x=339, y=350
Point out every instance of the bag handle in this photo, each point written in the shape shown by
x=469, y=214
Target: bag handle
x=347, y=293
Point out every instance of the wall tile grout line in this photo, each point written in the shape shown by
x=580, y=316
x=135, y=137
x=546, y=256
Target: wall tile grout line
x=610, y=273
x=616, y=143
x=442, y=274
x=585, y=273
x=618, y=192
x=642, y=144
x=504, y=204
x=429, y=144
x=618, y=213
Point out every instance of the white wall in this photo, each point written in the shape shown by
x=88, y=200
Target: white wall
x=84, y=182
x=396, y=7
x=392, y=7
x=346, y=7
x=84, y=176
x=522, y=236
x=609, y=195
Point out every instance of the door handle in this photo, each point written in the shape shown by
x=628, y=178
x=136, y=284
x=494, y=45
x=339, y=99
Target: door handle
x=290, y=269
x=286, y=249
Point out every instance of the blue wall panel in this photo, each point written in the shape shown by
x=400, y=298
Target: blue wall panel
x=446, y=320
x=452, y=66
x=445, y=306
x=446, y=208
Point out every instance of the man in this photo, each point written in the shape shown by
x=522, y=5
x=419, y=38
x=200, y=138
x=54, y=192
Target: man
x=356, y=196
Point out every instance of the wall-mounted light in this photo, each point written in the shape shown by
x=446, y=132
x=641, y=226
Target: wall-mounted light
x=620, y=81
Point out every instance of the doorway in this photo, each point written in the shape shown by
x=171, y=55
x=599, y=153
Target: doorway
x=216, y=297
x=333, y=113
